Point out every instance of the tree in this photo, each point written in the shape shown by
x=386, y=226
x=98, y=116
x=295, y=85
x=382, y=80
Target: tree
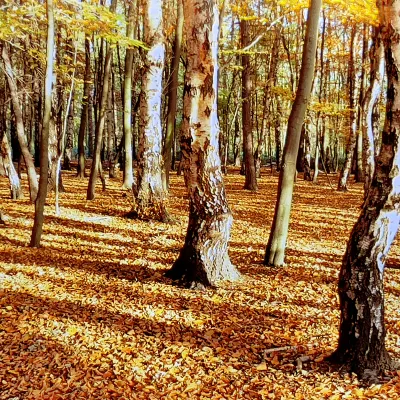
x=248, y=155
x=203, y=259
x=7, y=164
x=173, y=96
x=44, y=145
x=352, y=140
x=275, y=252
x=84, y=112
x=362, y=326
x=128, y=168
x=96, y=168
x=151, y=196
x=32, y=179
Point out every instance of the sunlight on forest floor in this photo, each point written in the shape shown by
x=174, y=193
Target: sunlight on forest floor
x=91, y=316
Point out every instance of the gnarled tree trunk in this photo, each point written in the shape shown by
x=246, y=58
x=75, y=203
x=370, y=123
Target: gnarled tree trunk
x=362, y=327
x=204, y=258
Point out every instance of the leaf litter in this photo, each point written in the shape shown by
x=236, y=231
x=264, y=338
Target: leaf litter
x=90, y=314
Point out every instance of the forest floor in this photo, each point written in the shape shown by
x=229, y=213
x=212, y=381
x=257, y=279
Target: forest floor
x=91, y=316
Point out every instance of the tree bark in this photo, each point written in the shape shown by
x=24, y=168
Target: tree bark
x=250, y=182
x=173, y=96
x=362, y=328
x=371, y=99
x=8, y=166
x=84, y=113
x=346, y=170
x=44, y=145
x=275, y=251
x=128, y=156
x=96, y=168
x=151, y=196
x=204, y=259
x=32, y=178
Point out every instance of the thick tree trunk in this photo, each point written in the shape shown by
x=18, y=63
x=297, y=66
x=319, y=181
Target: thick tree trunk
x=151, y=196
x=32, y=178
x=275, y=251
x=44, y=145
x=250, y=182
x=362, y=325
x=84, y=112
x=204, y=259
x=8, y=166
x=128, y=156
x=173, y=96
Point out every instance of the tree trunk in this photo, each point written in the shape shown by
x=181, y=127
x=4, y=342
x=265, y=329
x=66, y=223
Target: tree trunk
x=360, y=171
x=37, y=113
x=32, y=178
x=362, y=326
x=151, y=196
x=345, y=172
x=278, y=141
x=275, y=251
x=128, y=159
x=250, y=182
x=96, y=168
x=69, y=138
x=44, y=145
x=204, y=259
x=8, y=166
x=84, y=112
x=173, y=95
x=371, y=100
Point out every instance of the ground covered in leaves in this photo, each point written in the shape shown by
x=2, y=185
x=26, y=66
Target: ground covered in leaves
x=91, y=316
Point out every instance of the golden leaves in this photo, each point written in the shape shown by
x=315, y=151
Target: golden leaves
x=91, y=316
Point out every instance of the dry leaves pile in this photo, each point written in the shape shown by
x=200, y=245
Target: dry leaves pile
x=90, y=315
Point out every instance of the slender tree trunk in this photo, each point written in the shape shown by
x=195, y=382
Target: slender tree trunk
x=204, y=259
x=44, y=145
x=69, y=138
x=96, y=168
x=320, y=121
x=37, y=113
x=344, y=174
x=151, y=196
x=362, y=324
x=371, y=100
x=173, y=95
x=84, y=112
x=278, y=141
x=248, y=154
x=32, y=178
x=360, y=171
x=275, y=251
x=8, y=166
x=128, y=156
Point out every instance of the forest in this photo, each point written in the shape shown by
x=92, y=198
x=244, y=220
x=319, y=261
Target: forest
x=199, y=199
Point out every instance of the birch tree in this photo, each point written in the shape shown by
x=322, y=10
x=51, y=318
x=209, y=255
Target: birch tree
x=203, y=259
x=362, y=324
x=150, y=193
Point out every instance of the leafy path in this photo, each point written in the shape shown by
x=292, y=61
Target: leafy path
x=90, y=315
